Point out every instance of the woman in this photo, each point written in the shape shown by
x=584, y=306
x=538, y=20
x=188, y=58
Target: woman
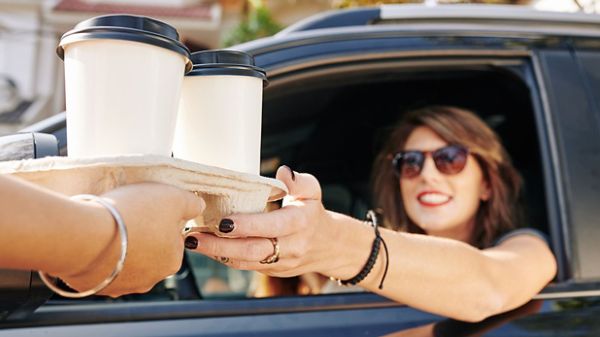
x=447, y=190
x=77, y=241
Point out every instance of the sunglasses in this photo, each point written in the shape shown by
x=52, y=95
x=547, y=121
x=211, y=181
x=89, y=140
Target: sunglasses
x=449, y=160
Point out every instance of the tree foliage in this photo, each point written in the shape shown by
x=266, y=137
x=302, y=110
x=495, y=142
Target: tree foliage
x=258, y=22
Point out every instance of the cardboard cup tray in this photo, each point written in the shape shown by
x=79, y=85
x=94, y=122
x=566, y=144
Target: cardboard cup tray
x=225, y=191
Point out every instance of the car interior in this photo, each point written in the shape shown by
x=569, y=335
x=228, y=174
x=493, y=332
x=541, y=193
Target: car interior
x=332, y=126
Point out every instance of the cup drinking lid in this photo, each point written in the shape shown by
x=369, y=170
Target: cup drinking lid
x=226, y=62
x=130, y=28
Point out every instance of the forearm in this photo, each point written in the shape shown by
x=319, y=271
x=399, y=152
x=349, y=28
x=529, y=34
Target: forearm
x=43, y=230
x=437, y=275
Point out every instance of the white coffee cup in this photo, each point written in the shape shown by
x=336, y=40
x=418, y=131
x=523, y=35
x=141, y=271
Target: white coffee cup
x=219, y=120
x=123, y=77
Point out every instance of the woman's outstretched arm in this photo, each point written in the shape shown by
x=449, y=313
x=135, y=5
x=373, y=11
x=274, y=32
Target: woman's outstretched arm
x=452, y=278
x=438, y=275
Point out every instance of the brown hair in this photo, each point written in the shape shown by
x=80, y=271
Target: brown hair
x=499, y=214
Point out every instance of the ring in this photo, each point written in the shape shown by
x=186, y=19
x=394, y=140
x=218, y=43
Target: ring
x=223, y=259
x=275, y=256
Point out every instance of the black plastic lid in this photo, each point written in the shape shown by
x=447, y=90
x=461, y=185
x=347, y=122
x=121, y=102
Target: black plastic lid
x=127, y=27
x=226, y=62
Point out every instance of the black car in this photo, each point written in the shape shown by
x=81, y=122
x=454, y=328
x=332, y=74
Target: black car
x=338, y=81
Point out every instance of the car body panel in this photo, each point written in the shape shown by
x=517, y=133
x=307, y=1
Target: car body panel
x=327, y=315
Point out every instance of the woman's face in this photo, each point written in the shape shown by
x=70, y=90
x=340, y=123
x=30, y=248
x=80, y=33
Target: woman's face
x=442, y=205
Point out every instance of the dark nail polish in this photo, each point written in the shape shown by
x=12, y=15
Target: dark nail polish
x=226, y=226
x=291, y=172
x=191, y=242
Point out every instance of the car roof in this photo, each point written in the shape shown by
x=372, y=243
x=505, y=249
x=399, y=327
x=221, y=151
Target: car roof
x=398, y=13
x=421, y=20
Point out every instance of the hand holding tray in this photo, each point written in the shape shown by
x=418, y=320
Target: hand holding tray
x=224, y=191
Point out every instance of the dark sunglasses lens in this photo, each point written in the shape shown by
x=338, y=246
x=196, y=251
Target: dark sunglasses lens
x=450, y=159
x=410, y=164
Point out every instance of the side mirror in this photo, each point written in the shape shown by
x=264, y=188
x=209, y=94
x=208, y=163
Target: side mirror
x=21, y=292
x=28, y=145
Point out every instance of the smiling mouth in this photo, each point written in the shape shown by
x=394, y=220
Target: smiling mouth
x=433, y=199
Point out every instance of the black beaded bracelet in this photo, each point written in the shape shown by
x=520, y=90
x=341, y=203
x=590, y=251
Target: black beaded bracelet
x=372, y=219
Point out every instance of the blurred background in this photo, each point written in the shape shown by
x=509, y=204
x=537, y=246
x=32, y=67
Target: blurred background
x=31, y=75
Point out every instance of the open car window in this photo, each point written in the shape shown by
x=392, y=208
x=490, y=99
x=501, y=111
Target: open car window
x=333, y=125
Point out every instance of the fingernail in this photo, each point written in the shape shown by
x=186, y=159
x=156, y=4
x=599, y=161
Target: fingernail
x=291, y=172
x=191, y=242
x=226, y=226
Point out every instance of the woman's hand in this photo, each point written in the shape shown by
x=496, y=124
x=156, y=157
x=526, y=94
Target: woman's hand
x=155, y=216
x=302, y=227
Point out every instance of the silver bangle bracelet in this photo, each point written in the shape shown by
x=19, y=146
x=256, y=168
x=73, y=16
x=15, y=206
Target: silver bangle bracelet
x=48, y=280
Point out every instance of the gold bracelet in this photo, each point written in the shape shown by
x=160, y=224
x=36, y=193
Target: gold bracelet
x=47, y=279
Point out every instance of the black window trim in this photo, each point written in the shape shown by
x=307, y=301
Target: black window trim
x=554, y=172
